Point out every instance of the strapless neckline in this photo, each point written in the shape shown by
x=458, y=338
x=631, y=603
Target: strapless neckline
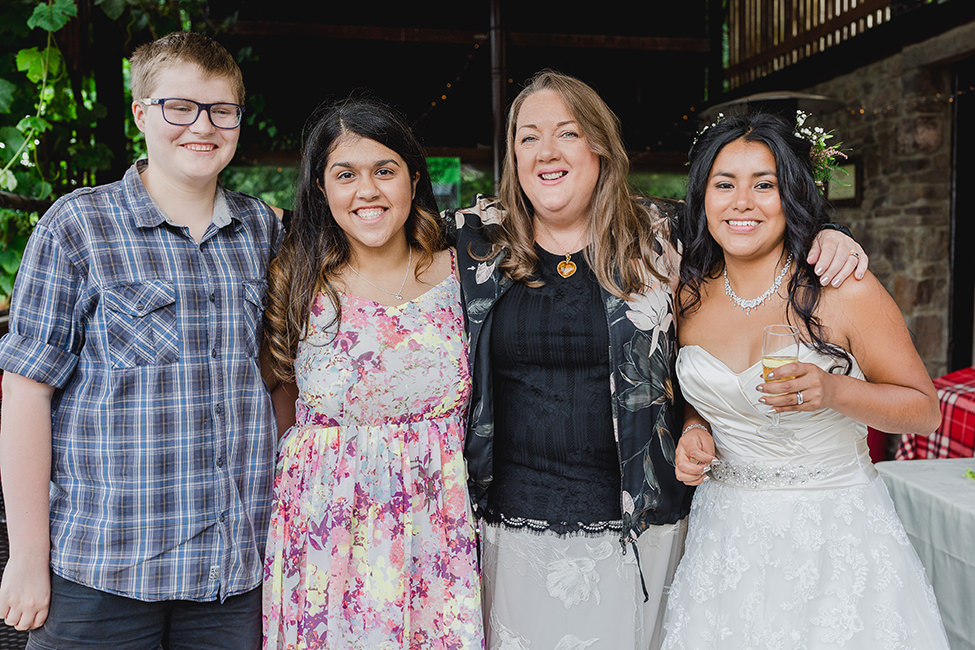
x=728, y=400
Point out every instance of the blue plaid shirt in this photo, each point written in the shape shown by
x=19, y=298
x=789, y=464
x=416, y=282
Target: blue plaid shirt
x=163, y=434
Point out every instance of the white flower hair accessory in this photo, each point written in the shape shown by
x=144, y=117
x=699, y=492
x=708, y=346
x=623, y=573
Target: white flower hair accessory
x=825, y=157
x=704, y=128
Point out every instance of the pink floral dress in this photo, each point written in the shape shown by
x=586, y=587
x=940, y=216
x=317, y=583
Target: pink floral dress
x=371, y=539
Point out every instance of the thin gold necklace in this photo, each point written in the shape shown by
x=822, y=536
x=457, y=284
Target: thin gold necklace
x=566, y=267
x=399, y=294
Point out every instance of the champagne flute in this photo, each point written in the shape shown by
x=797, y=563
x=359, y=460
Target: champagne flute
x=780, y=346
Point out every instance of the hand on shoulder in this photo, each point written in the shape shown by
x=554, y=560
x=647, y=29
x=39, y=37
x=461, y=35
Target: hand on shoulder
x=485, y=209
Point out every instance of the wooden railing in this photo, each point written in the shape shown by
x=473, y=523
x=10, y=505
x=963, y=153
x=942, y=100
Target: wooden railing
x=765, y=36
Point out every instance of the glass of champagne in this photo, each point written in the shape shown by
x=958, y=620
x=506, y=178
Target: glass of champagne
x=780, y=346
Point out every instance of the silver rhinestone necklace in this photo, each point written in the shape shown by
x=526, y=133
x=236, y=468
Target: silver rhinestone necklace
x=749, y=305
x=399, y=294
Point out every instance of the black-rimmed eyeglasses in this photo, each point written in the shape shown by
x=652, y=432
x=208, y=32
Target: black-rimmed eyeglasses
x=183, y=112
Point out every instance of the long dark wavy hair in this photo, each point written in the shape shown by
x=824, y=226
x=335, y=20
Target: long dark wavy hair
x=803, y=204
x=315, y=248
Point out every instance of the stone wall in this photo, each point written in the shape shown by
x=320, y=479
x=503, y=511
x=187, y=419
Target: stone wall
x=898, y=122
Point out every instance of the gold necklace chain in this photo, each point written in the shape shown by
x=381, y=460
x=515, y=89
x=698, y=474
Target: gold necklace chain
x=566, y=267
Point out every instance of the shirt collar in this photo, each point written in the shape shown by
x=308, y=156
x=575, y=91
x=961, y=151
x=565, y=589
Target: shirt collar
x=148, y=214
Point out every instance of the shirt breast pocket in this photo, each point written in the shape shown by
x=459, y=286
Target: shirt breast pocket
x=141, y=323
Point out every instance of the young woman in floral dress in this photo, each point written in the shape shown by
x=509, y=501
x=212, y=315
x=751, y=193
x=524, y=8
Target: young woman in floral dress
x=371, y=542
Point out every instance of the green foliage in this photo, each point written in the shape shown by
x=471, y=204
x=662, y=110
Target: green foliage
x=52, y=15
x=667, y=186
x=473, y=181
x=35, y=94
x=39, y=64
x=49, y=111
x=15, y=228
x=112, y=8
x=274, y=185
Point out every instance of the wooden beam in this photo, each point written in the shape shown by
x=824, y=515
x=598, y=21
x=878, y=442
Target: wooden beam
x=609, y=42
x=458, y=36
x=661, y=160
x=23, y=203
x=766, y=54
x=356, y=32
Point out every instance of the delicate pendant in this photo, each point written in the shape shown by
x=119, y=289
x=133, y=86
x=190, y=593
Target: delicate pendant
x=567, y=267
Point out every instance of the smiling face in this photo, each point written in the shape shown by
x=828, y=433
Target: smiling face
x=191, y=155
x=742, y=202
x=369, y=191
x=556, y=168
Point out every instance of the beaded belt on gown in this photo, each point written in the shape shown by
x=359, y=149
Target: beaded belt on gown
x=841, y=467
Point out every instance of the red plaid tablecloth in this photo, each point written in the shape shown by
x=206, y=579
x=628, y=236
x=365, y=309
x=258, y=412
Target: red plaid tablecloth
x=955, y=438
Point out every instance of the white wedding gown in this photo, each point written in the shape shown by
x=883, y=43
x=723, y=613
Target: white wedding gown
x=795, y=544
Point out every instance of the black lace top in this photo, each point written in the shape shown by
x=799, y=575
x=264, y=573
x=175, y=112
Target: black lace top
x=556, y=464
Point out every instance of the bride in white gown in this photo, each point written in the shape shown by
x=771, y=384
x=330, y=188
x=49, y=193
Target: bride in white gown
x=793, y=542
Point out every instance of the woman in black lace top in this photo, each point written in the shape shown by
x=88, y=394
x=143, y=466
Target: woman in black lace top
x=574, y=413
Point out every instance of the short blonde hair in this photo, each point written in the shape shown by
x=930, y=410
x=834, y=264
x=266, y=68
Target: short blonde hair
x=182, y=47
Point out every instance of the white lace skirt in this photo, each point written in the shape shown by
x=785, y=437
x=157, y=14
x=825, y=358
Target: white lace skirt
x=800, y=569
x=543, y=591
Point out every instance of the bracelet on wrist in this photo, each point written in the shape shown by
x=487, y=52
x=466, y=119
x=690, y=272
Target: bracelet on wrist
x=695, y=426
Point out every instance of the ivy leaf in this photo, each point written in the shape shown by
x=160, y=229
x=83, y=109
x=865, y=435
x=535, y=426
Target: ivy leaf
x=52, y=16
x=12, y=139
x=42, y=190
x=10, y=261
x=8, y=181
x=6, y=284
x=34, y=62
x=112, y=8
x=33, y=123
x=7, y=90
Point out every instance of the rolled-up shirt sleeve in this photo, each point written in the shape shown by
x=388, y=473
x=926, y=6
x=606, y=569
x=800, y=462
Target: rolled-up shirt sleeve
x=45, y=334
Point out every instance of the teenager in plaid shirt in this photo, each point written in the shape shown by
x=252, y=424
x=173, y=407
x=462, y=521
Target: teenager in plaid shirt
x=137, y=446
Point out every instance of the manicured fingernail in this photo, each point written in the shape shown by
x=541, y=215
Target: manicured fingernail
x=761, y=399
x=824, y=280
x=819, y=270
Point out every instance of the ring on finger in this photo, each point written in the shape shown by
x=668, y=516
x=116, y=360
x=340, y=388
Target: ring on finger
x=855, y=254
x=799, y=399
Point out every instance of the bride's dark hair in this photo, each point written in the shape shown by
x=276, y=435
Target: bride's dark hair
x=803, y=204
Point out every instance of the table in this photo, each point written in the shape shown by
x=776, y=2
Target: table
x=955, y=438
x=936, y=502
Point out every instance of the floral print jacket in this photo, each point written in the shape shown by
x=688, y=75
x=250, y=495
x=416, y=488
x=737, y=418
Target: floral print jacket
x=645, y=402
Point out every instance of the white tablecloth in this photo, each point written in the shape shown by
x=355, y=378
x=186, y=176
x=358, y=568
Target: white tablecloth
x=936, y=502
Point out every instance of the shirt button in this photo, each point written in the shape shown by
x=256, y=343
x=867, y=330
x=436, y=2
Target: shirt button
x=219, y=409
x=213, y=353
x=213, y=297
x=220, y=464
x=223, y=517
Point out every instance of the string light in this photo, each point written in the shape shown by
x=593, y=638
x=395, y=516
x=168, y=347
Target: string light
x=912, y=104
x=448, y=86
